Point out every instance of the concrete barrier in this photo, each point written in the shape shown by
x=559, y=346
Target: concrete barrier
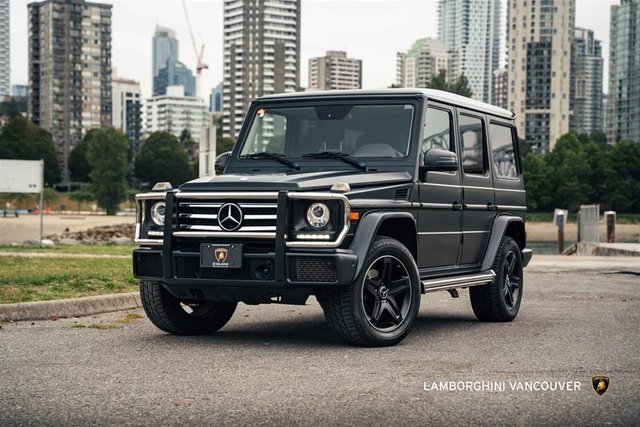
x=72, y=307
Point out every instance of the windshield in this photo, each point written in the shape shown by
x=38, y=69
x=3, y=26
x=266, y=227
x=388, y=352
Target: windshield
x=379, y=130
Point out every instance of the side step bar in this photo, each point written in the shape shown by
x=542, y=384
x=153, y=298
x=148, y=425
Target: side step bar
x=458, y=281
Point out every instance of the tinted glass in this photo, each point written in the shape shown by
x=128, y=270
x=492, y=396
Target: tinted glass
x=357, y=130
x=437, y=133
x=503, y=151
x=472, y=137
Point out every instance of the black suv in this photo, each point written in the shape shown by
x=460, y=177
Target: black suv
x=365, y=199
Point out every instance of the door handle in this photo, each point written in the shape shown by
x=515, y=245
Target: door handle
x=457, y=206
x=492, y=207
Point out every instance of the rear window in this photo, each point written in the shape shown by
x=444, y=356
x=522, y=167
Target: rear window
x=503, y=150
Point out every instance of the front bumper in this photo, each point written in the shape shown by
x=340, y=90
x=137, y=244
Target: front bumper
x=264, y=270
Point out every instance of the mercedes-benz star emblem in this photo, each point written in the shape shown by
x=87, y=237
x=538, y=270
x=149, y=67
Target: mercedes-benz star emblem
x=230, y=217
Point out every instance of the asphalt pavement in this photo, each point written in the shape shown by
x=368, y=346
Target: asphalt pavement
x=275, y=365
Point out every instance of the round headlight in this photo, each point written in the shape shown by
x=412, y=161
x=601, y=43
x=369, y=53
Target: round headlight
x=318, y=215
x=157, y=213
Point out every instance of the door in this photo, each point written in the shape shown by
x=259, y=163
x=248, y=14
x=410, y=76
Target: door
x=477, y=187
x=440, y=196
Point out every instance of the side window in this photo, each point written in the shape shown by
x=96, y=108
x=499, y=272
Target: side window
x=437, y=133
x=503, y=150
x=472, y=142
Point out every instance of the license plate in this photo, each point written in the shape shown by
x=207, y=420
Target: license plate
x=221, y=256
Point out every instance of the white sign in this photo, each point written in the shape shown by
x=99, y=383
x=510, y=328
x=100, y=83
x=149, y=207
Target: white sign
x=21, y=176
x=560, y=215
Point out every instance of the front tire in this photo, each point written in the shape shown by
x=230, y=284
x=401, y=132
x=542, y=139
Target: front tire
x=500, y=300
x=175, y=317
x=379, y=308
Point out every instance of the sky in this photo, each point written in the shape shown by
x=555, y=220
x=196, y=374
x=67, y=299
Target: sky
x=371, y=30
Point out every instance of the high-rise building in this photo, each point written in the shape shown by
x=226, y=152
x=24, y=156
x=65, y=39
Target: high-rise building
x=500, y=88
x=539, y=39
x=69, y=70
x=21, y=91
x=426, y=58
x=127, y=109
x=587, y=108
x=174, y=73
x=174, y=112
x=623, y=103
x=472, y=29
x=335, y=71
x=5, y=45
x=164, y=47
x=215, y=99
x=261, y=54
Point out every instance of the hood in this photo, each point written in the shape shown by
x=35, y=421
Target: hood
x=307, y=181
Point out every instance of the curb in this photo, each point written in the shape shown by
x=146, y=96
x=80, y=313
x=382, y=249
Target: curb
x=72, y=307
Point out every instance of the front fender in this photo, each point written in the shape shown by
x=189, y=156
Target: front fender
x=367, y=230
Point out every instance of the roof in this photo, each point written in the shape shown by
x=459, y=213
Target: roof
x=434, y=94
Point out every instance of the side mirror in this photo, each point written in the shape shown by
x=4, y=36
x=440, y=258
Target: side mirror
x=221, y=162
x=440, y=160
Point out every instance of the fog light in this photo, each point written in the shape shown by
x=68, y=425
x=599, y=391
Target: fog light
x=313, y=236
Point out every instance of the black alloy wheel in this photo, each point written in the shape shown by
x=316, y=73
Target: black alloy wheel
x=386, y=294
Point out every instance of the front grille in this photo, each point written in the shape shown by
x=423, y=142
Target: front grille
x=150, y=265
x=258, y=216
x=312, y=269
x=253, y=269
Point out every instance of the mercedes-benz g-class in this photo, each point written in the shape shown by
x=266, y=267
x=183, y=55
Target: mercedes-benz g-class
x=365, y=199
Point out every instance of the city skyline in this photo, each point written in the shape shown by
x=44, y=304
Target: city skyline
x=133, y=28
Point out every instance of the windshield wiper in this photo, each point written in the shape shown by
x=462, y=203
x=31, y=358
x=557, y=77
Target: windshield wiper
x=275, y=156
x=340, y=156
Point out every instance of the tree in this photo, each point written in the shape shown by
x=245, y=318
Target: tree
x=80, y=197
x=224, y=144
x=162, y=159
x=21, y=139
x=570, y=172
x=439, y=81
x=185, y=139
x=459, y=86
x=108, y=157
x=537, y=182
x=49, y=196
x=78, y=163
x=622, y=176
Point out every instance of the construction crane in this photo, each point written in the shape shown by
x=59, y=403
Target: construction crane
x=200, y=65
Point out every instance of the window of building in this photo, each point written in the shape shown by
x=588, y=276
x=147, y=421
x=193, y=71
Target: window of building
x=472, y=141
x=503, y=150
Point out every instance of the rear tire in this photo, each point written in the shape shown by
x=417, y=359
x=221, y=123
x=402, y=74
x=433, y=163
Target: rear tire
x=500, y=300
x=171, y=315
x=379, y=308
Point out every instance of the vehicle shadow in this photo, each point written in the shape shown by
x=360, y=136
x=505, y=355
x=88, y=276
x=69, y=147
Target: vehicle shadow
x=309, y=331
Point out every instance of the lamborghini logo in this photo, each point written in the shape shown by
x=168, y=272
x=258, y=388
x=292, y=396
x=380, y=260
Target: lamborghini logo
x=221, y=254
x=600, y=384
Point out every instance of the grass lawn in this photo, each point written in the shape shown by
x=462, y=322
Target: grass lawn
x=81, y=249
x=40, y=279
